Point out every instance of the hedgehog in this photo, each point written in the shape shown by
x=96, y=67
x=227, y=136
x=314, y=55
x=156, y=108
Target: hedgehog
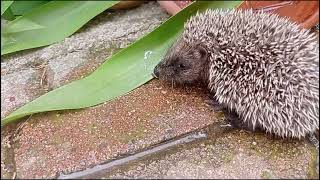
x=262, y=67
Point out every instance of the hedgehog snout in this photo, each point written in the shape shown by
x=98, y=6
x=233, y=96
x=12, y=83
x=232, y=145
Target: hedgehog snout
x=155, y=72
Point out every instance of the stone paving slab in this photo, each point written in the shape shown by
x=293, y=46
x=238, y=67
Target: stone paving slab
x=77, y=55
x=27, y=74
x=18, y=88
x=233, y=155
x=64, y=142
x=51, y=143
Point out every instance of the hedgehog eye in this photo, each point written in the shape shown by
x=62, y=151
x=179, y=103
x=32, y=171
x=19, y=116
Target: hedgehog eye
x=181, y=66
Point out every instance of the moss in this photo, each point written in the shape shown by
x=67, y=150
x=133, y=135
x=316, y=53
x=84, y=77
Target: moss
x=266, y=175
x=56, y=118
x=313, y=173
x=227, y=157
x=126, y=138
x=136, y=133
x=277, y=149
x=56, y=140
x=93, y=128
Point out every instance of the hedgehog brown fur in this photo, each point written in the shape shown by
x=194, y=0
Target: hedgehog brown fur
x=262, y=66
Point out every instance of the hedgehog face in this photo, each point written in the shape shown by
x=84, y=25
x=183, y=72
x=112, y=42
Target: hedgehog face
x=183, y=65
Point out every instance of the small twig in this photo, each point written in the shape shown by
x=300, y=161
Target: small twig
x=14, y=175
x=19, y=128
x=273, y=7
x=43, y=76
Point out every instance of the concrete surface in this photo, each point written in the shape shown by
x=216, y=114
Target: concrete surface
x=49, y=144
x=56, y=142
x=77, y=55
x=232, y=155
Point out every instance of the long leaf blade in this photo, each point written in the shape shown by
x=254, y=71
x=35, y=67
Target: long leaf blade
x=8, y=15
x=111, y=79
x=19, y=8
x=5, y=5
x=55, y=18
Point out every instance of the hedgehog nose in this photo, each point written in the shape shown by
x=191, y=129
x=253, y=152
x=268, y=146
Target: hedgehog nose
x=155, y=72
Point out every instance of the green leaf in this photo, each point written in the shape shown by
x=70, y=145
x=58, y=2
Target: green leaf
x=23, y=25
x=20, y=8
x=5, y=5
x=125, y=71
x=8, y=15
x=50, y=23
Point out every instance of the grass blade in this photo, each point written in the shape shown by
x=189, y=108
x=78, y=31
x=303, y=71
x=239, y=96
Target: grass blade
x=52, y=22
x=111, y=79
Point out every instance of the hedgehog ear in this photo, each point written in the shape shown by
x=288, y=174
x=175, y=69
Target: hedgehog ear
x=202, y=52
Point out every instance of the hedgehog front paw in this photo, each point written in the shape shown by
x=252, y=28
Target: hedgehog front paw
x=229, y=121
x=235, y=122
x=227, y=125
